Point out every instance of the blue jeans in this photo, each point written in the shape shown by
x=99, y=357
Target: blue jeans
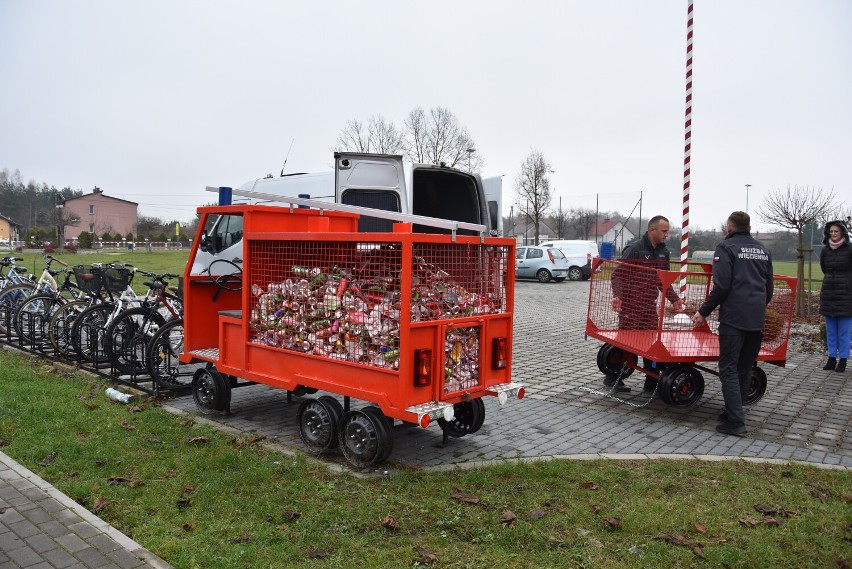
x=837, y=332
x=738, y=351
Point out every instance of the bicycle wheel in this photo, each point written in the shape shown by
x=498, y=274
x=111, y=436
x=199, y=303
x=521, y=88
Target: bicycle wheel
x=10, y=299
x=87, y=332
x=59, y=327
x=127, y=337
x=32, y=316
x=162, y=356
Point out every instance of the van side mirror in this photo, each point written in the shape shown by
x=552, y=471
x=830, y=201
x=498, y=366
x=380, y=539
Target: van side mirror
x=203, y=244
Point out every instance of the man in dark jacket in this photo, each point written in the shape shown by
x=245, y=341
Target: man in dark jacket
x=635, y=291
x=742, y=287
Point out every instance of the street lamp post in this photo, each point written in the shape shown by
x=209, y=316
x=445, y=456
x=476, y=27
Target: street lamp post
x=469, y=152
x=747, y=187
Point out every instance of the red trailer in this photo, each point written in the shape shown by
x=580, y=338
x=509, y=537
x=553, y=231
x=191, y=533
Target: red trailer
x=418, y=325
x=642, y=323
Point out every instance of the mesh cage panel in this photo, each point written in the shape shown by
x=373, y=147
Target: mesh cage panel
x=335, y=299
x=456, y=280
x=461, y=359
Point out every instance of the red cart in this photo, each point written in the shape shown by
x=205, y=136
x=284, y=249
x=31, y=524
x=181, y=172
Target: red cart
x=418, y=325
x=643, y=323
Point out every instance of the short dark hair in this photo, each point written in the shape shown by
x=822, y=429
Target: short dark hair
x=654, y=221
x=740, y=220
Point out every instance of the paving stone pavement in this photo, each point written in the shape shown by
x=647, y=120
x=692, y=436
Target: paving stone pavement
x=805, y=416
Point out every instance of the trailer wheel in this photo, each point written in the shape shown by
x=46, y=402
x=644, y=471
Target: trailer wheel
x=387, y=424
x=209, y=390
x=469, y=417
x=757, y=387
x=318, y=420
x=681, y=386
x=364, y=438
x=611, y=361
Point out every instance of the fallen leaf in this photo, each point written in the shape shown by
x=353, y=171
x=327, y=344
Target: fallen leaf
x=183, y=502
x=842, y=564
x=198, y=440
x=187, y=527
x=426, y=556
x=135, y=409
x=770, y=521
x=786, y=513
x=596, y=508
x=749, y=523
x=241, y=539
x=126, y=425
x=171, y=473
x=189, y=490
x=537, y=514
x=72, y=474
x=48, y=460
x=318, y=554
x=613, y=523
x=290, y=516
x=698, y=550
x=100, y=504
x=154, y=440
x=116, y=480
x=90, y=405
x=679, y=539
x=136, y=484
x=699, y=528
x=5, y=442
x=845, y=497
x=508, y=518
x=390, y=523
x=764, y=509
x=590, y=485
x=255, y=438
x=100, y=462
x=463, y=497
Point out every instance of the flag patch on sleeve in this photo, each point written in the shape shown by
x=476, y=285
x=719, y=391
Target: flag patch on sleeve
x=716, y=259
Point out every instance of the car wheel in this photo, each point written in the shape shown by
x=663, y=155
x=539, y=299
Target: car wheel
x=575, y=274
x=543, y=276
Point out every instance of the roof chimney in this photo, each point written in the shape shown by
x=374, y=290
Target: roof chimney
x=97, y=190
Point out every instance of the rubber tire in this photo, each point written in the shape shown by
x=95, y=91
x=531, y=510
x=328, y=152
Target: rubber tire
x=543, y=276
x=387, y=425
x=167, y=376
x=469, y=418
x=93, y=317
x=575, y=273
x=610, y=361
x=39, y=307
x=209, y=390
x=757, y=387
x=126, y=321
x=318, y=422
x=681, y=386
x=60, y=325
x=363, y=439
x=11, y=297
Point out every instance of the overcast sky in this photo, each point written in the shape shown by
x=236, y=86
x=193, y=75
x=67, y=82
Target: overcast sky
x=152, y=101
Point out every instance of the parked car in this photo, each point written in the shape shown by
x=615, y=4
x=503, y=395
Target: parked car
x=542, y=263
x=579, y=254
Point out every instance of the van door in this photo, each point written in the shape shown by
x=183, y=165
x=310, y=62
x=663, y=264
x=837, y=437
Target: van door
x=371, y=180
x=446, y=193
x=493, y=188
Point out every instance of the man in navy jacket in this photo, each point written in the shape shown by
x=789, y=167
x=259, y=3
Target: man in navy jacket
x=742, y=287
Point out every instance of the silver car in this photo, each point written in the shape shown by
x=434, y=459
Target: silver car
x=542, y=263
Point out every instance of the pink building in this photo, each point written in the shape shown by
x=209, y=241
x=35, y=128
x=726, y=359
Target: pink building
x=98, y=213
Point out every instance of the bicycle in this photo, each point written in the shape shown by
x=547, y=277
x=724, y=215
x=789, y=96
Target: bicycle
x=90, y=279
x=15, y=283
x=126, y=338
x=12, y=297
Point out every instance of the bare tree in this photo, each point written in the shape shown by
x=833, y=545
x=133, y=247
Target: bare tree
x=795, y=208
x=583, y=220
x=533, y=189
x=437, y=137
x=377, y=135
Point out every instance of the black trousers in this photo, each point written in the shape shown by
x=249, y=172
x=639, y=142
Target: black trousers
x=738, y=351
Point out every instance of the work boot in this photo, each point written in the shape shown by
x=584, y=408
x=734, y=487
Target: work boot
x=616, y=384
x=841, y=366
x=829, y=364
x=650, y=383
x=731, y=429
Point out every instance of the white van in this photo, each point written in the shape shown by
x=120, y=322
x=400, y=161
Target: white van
x=579, y=254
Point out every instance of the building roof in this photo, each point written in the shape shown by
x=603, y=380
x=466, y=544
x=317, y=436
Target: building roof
x=99, y=192
x=10, y=221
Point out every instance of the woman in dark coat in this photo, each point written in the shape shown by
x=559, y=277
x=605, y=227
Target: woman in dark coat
x=835, y=298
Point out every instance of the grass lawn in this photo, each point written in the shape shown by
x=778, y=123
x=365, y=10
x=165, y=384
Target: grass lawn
x=201, y=498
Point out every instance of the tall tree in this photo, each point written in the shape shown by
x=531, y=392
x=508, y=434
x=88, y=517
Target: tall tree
x=795, y=208
x=583, y=220
x=533, y=190
x=377, y=135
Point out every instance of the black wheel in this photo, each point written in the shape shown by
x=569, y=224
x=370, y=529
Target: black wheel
x=318, y=421
x=87, y=332
x=611, y=361
x=757, y=387
x=543, y=276
x=575, y=273
x=364, y=438
x=469, y=417
x=59, y=327
x=209, y=390
x=127, y=338
x=559, y=279
x=387, y=423
x=232, y=282
x=10, y=299
x=681, y=386
x=32, y=316
x=161, y=356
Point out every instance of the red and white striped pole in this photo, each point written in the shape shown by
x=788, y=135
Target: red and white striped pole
x=684, y=235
